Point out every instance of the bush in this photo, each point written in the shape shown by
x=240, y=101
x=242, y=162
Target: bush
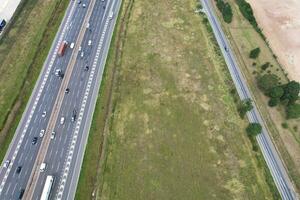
x=267, y=81
x=273, y=102
x=265, y=66
x=254, y=129
x=225, y=9
x=284, y=125
x=254, y=53
x=293, y=111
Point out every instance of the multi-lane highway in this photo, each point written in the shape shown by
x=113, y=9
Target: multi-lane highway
x=83, y=67
x=270, y=154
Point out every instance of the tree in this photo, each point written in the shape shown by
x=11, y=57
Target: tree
x=293, y=111
x=245, y=107
x=267, y=81
x=273, y=102
x=254, y=129
x=291, y=92
x=276, y=92
x=254, y=53
x=265, y=66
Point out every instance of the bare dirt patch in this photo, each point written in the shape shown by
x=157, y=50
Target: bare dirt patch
x=280, y=22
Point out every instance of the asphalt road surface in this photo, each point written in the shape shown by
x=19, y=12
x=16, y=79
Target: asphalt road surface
x=270, y=154
x=65, y=152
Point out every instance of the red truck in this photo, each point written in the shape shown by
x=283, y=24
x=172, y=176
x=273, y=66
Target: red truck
x=62, y=48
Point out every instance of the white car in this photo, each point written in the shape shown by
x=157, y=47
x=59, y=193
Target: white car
x=79, y=48
x=43, y=167
x=42, y=133
x=44, y=114
x=82, y=54
x=72, y=45
x=83, y=5
x=62, y=120
x=52, y=135
x=6, y=163
x=90, y=42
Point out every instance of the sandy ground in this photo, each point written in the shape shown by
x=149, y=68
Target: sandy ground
x=280, y=21
x=7, y=8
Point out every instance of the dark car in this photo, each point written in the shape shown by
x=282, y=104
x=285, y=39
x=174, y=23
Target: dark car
x=67, y=90
x=34, y=140
x=19, y=169
x=86, y=68
x=21, y=193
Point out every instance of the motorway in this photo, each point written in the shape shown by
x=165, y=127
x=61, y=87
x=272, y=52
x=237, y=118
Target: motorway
x=64, y=154
x=274, y=163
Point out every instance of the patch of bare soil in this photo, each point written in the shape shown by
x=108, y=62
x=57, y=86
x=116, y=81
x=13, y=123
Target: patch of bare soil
x=280, y=22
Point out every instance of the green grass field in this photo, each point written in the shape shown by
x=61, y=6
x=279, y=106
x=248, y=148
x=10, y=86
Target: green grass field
x=175, y=132
x=23, y=51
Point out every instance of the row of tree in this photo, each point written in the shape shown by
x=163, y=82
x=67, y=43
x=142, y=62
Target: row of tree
x=225, y=9
x=285, y=94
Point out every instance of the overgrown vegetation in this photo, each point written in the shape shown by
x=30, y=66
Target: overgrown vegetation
x=225, y=9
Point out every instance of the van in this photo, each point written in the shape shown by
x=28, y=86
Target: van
x=43, y=167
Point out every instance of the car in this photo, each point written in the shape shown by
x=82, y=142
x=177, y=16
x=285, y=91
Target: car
x=226, y=49
x=86, y=68
x=19, y=169
x=52, y=135
x=42, y=133
x=6, y=163
x=79, y=1
x=79, y=49
x=44, y=114
x=74, y=116
x=62, y=120
x=72, y=45
x=67, y=90
x=90, y=42
x=21, y=193
x=83, y=5
x=34, y=140
x=88, y=25
x=58, y=72
x=43, y=167
x=82, y=54
x=111, y=15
